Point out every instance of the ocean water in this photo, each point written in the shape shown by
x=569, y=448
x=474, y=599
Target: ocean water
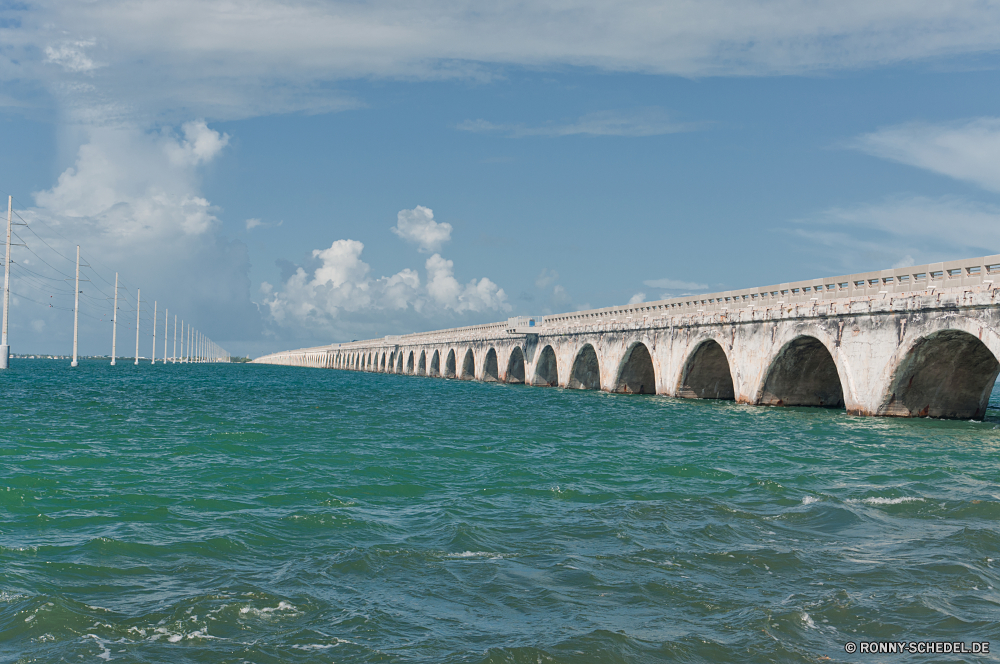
x=243, y=513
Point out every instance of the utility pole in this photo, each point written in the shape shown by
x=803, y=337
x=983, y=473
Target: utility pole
x=138, y=303
x=182, y=342
x=190, y=336
x=4, y=346
x=76, y=310
x=166, y=331
x=114, y=324
x=154, y=333
x=173, y=357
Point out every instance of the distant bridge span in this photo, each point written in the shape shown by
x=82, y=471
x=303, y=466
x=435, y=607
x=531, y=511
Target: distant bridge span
x=908, y=342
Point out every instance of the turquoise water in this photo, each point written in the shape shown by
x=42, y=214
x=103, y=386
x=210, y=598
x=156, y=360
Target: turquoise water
x=243, y=513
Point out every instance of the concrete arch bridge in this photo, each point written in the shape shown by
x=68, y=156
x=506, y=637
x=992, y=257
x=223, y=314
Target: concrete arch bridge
x=911, y=342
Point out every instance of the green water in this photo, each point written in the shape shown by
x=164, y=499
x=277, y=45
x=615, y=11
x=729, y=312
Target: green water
x=243, y=513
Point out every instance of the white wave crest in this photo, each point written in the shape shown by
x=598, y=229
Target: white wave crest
x=876, y=500
x=253, y=611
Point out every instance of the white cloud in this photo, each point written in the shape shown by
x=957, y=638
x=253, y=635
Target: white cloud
x=418, y=226
x=965, y=150
x=648, y=122
x=339, y=296
x=546, y=278
x=904, y=231
x=637, y=298
x=474, y=296
x=132, y=185
x=70, y=56
x=674, y=284
x=189, y=58
x=255, y=222
x=560, y=298
x=200, y=144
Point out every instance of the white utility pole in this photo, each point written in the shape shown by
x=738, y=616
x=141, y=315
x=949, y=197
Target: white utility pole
x=166, y=332
x=154, y=333
x=190, y=335
x=138, y=303
x=76, y=310
x=182, y=341
x=114, y=325
x=4, y=346
x=173, y=357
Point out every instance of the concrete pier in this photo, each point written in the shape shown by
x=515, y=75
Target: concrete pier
x=909, y=342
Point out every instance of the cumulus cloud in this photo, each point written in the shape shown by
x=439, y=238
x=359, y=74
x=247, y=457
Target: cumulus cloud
x=199, y=145
x=130, y=185
x=648, y=122
x=964, y=150
x=637, y=298
x=418, y=226
x=340, y=297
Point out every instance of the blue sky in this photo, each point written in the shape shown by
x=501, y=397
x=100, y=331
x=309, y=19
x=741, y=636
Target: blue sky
x=289, y=174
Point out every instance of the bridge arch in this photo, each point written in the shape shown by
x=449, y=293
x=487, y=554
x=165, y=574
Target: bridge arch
x=546, y=368
x=515, y=367
x=707, y=373
x=435, y=369
x=585, y=373
x=491, y=372
x=468, y=366
x=409, y=363
x=449, y=364
x=947, y=374
x=422, y=364
x=381, y=366
x=803, y=373
x=399, y=362
x=636, y=374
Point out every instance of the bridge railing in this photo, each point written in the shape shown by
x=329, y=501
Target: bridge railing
x=933, y=276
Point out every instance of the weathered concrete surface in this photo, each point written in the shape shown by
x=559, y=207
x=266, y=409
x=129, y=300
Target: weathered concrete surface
x=911, y=342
